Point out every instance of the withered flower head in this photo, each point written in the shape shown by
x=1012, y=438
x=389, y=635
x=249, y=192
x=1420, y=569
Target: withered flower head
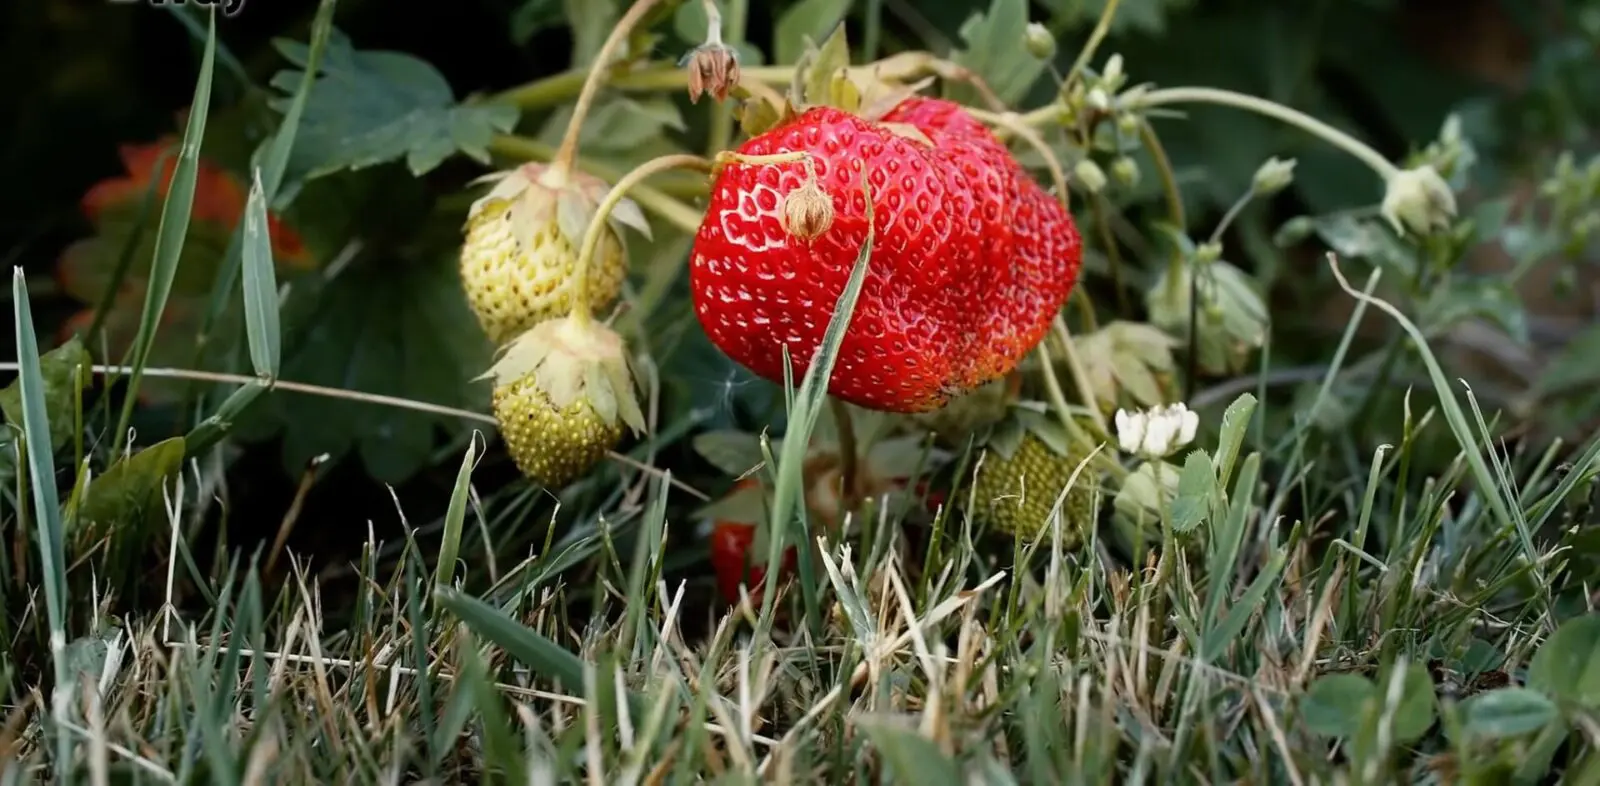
x=807, y=210
x=713, y=68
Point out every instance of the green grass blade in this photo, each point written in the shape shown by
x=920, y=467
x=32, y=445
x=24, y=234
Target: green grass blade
x=803, y=419
x=46, y=503
x=646, y=553
x=260, y=287
x=1457, y=420
x=170, y=233
x=537, y=652
x=455, y=517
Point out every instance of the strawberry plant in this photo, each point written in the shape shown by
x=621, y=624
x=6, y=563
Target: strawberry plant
x=638, y=390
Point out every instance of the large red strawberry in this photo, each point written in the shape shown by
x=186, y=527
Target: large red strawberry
x=954, y=295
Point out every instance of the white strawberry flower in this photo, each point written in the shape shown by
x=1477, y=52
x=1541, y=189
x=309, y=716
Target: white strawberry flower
x=1158, y=432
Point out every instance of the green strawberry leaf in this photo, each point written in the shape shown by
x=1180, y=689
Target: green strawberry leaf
x=1465, y=297
x=1507, y=712
x=1415, y=713
x=1336, y=704
x=396, y=327
x=130, y=491
x=65, y=371
x=811, y=19
x=996, y=53
x=747, y=505
x=1133, y=16
x=731, y=451
x=1197, y=487
x=533, y=17
x=373, y=107
x=623, y=132
x=591, y=22
x=1567, y=665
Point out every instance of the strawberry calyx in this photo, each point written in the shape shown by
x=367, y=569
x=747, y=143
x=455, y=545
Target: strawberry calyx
x=824, y=77
x=572, y=359
x=541, y=193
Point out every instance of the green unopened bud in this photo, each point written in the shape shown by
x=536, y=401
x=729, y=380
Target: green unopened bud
x=1126, y=171
x=1273, y=176
x=1039, y=42
x=1208, y=252
x=1089, y=175
x=1128, y=125
x=1418, y=200
x=1112, y=75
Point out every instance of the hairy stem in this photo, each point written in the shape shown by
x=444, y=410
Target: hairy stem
x=602, y=213
x=565, y=155
x=1101, y=29
x=1080, y=378
x=222, y=378
x=1261, y=106
x=738, y=11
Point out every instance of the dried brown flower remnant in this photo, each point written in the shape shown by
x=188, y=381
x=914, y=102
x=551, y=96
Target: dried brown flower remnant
x=713, y=68
x=807, y=210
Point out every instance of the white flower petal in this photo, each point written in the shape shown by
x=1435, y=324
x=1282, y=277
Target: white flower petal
x=1158, y=437
x=1189, y=424
x=1130, y=430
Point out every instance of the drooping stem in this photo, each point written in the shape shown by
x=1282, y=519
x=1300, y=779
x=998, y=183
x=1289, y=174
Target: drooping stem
x=722, y=121
x=1169, y=178
x=1080, y=378
x=562, y=165
x=602, y=215
x=376, y=399
x=1294, y=117
x=660, y=77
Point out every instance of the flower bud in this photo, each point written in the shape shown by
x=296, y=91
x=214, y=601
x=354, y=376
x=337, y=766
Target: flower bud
x=1039, y=42
x=1098, y=99
x=1112, y=75
x=1274, y=175
x=1418, y=200
x=1089, y=175
x=1126, y=171
x=1128, y=125
x=1207, y=252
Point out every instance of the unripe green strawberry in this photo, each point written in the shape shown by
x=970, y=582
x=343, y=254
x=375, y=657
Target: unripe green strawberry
x=520, y=253
x=1028, y=461
x=563, y=392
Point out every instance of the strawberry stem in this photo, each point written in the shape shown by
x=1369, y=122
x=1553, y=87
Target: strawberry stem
x=1102, y=27
x=561, y=166
x=602, y=215
x=662, y=201
x=721, y=121
x=1261, y=106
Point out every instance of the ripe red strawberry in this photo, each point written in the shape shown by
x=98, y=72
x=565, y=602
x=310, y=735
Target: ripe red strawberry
x=954, y=295
x=730, y=551
x=1033, y=268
